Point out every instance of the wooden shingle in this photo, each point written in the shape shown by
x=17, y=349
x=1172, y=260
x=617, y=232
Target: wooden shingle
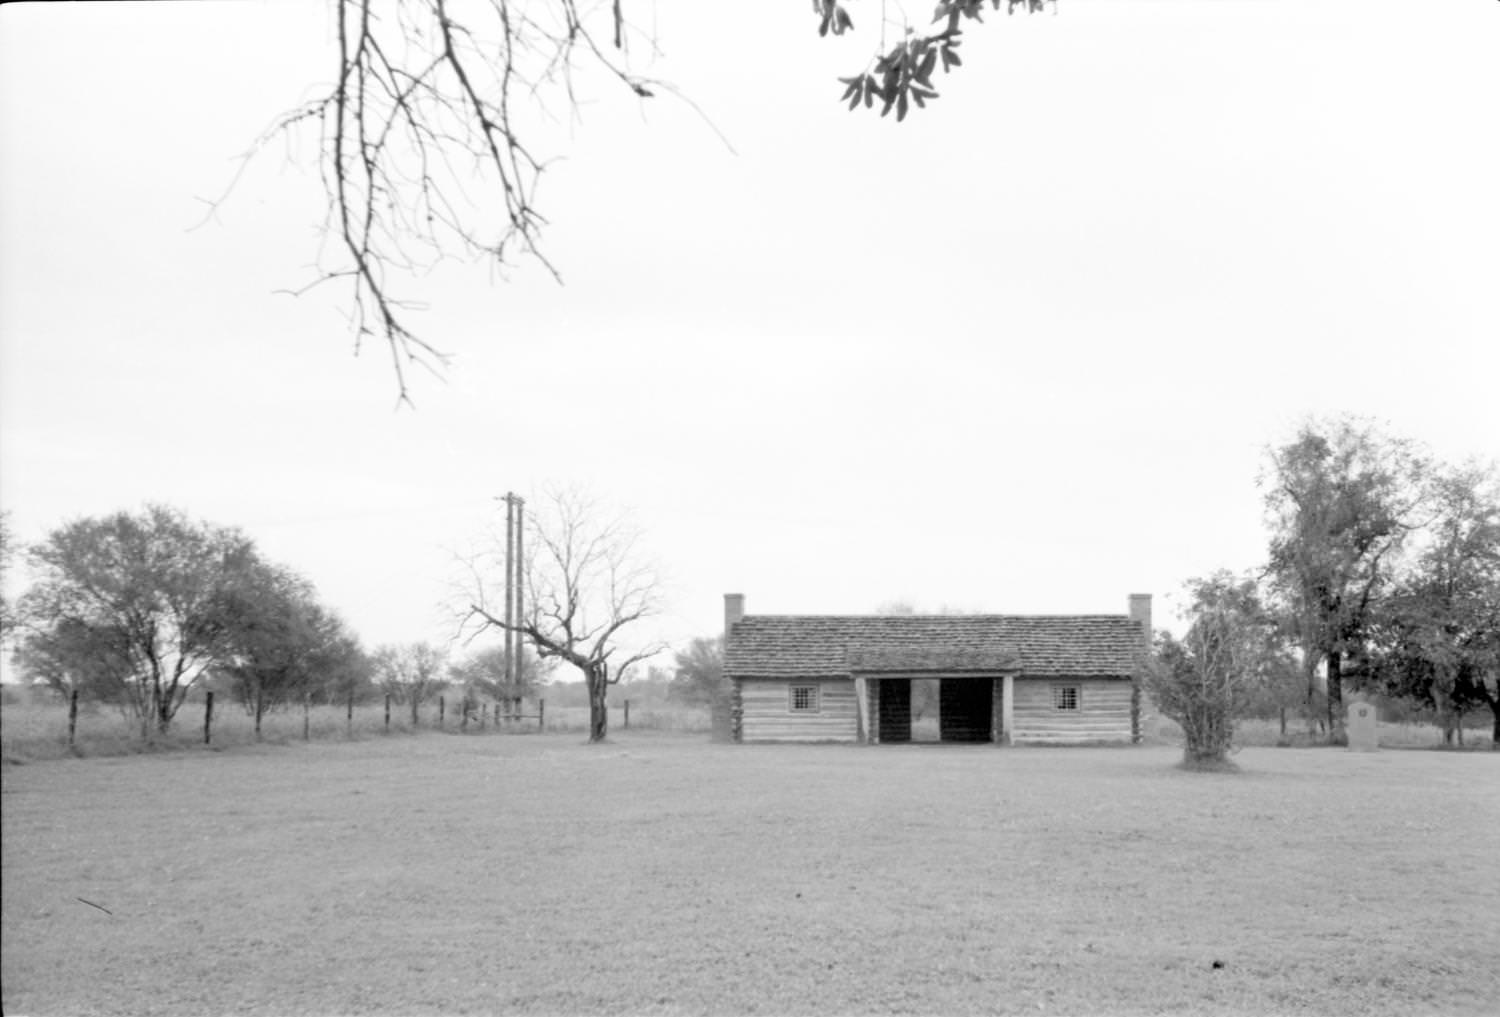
x=834, y=646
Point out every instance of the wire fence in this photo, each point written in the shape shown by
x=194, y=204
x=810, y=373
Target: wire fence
x=46, y=726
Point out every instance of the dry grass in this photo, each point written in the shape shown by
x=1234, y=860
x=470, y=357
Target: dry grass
x=1159, y=730
x=663, y=874
x=34, y=726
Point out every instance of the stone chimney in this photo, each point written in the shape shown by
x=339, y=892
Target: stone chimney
x=1140, y=611
x=734, y=610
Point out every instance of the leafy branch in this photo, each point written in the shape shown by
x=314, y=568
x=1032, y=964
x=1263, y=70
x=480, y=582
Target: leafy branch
x=902, y=77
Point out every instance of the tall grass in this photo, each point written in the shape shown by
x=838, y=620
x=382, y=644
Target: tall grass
x=1406, y=734
x=34, y=725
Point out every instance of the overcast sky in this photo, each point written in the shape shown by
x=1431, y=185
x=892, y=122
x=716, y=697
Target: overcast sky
x=1021, y=353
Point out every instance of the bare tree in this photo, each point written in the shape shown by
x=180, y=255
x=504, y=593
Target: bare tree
x=586, y=584
x=429, y=134
x=411, y=673
x=426, y=140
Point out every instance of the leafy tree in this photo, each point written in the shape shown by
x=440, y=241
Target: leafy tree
x=136, y=608
x=7, y=553
x=484, y=672
x=71, y=655
x=587, y=585
x=698, y=680
x=1438, y=638
x=1206, y=681
x=427, y=132
x=698, y=672
x=289, y=646
x=1341, y=498
x=410, y=673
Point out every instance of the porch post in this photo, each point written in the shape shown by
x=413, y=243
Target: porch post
x=1008, y=709
x=862, y=711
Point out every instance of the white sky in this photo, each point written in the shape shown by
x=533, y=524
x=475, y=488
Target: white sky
x=1021, y=353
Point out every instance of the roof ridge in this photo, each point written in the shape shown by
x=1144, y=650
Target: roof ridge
x=928, y=617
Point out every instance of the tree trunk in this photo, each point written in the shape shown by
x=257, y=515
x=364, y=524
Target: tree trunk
x=1495, y=731
x=1336, y=697
x=164, y=712
x=260, y=710
x=1310, y=703
x=598, y=709
x=153, y=710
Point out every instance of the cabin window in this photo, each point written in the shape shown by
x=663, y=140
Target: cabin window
x=804, y=698
x=1065, y=697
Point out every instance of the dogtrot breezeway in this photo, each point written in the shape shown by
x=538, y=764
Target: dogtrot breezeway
x=969, y=709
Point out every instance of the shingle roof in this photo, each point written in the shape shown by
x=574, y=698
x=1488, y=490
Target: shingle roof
x=805, y=646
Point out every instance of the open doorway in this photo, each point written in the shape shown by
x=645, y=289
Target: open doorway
x=895, y=711
x=926, y=710
x=965, y=709
x=933, y=710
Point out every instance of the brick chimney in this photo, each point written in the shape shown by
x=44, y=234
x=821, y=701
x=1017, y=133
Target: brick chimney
x=1140, y=612
x=734, y=610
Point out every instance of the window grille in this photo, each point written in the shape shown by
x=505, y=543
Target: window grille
x=1065, y=697
x=804, y=699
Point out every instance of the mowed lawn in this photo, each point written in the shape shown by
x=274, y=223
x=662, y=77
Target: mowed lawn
x=663, y=874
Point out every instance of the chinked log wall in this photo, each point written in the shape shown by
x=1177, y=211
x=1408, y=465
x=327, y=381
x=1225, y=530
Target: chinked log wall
x=765, y=715
x=1103, y=713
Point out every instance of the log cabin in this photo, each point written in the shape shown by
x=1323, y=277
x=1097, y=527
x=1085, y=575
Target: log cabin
x=1003, y=679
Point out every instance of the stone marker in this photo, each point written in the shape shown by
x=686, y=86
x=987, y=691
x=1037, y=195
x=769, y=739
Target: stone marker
x=1360, y=727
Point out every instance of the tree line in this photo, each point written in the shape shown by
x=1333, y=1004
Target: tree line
x=136, y=610
x=139, y=609
x=1382, y=575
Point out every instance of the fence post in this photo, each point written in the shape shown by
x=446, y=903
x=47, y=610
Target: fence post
x=387, y=713
x=442, y=711
x=307, y=718
x=627, y=715
x=208, y=715
x=541, y=714
x=72, y=717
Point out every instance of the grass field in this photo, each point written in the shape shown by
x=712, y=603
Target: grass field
x=665, y=874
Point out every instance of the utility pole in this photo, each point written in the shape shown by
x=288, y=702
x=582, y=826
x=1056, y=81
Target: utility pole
x=510, y=543
x=520, y=587
x=514, y=589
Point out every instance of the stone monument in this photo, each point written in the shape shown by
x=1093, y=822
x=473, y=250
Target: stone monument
x=1360, y=727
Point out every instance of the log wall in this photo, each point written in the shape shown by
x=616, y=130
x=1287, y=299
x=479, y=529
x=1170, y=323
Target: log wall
x=765, y=713
x=1103, y=714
